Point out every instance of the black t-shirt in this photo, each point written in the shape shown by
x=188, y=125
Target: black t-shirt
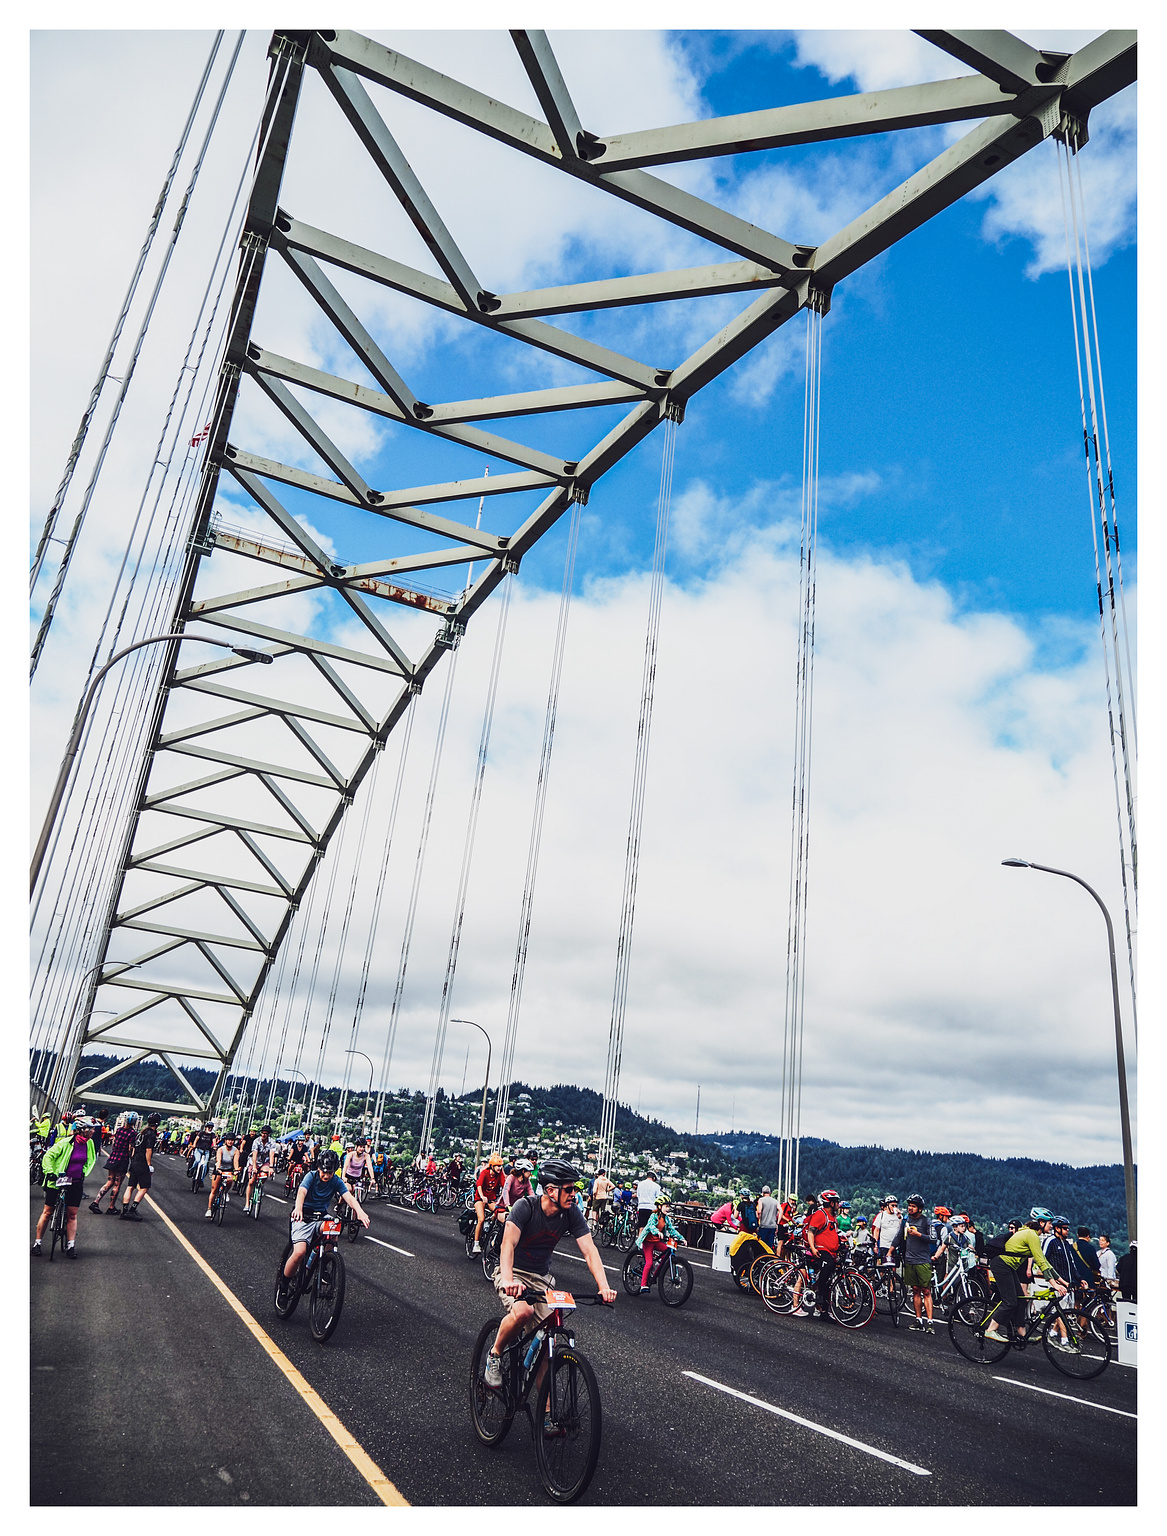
x=205, y=1140
x=539, y=1234
x=147, y=1141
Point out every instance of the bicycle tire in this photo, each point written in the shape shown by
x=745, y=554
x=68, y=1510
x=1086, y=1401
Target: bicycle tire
x=675, y=1282
x=219, y=1210
x=777, y=1286
x=1083, y=1356
x=754, y=1273
x=633, y=1269
x=256, y=1202
x=965, y=1329
x=891, y=1295
x=324, y=1309
x=287, y=1294
x=741, y=1278
x=1101, y=1317
x=490, y=1407
x=851, y=1300
x=626, y=1237
x=567, y=1460
x=470, y=1254
x=56, y=1231
x=354, y=1227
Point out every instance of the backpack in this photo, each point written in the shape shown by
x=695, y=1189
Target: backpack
x=995, y=1246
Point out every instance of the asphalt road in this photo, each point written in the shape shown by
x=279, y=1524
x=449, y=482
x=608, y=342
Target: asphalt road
x=162, y=1396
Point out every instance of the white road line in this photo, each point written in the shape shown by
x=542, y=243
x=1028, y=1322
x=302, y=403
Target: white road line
x=1085, y=1401
x=578, y=1259
x=369, y=1238
x=820, y=1429
x=276, y=1198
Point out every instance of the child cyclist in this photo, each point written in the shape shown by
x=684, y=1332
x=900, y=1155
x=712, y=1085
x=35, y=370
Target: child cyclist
x=656, y=1233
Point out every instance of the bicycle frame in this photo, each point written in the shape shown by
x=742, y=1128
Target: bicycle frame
x=518, y=1380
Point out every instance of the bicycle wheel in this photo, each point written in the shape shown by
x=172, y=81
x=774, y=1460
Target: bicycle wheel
x=354, y=1227
x=256, y=1202
x=567, y=1427
x=470, y=1241
x=777, y=1285
x=1101, y=1319
x=57, y=1227
x=220, y=1206
x=489, y=1406
x=741, y=1278
x=626, y=1236
x=633, y=1269
x=675, y=1282
x=1082, y=1354
x=890, y=1295
x=754, y=1273
x=851, y=1300
x=327, y=1296
x=287, y=1292
x=966, y=1330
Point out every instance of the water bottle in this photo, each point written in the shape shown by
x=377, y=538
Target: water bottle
x=532, y=1351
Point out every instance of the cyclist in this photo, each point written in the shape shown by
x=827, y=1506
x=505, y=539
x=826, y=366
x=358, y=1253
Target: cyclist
x=313, y=1197
x=861, y=1241
x=655, y=1233
x=517, y=1184
x=356, y=1165
x=259, y=1166
x=1021, y=1248
x=821, y=1231
x=534, y=1228
x=71, y=1157
x=454, y=1173
x=919, y=1257
x=487, y=1188
x=204, y=1144
x=118, y=1162
x=601, y=1193
x=226, y=1167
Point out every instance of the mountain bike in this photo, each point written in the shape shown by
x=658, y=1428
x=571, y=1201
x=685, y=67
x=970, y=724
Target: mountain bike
x=544, y=1375
x=1083, y=1353
x=624, y=1228
x=220, y=1201
x=321, y=1274
x=783, y=1283
x=670, y=1273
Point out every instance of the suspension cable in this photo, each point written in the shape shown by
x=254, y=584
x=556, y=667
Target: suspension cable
x=506, y=1070
x=1103, y=513
x=467, y=860
x=636, y=811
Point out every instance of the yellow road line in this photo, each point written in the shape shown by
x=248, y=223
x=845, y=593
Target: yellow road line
x=359, y=1457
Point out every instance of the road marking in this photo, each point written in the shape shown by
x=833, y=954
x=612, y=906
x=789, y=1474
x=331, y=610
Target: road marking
x=1085, y=1401
x=578, y=1259
x=359, y=1457
x=276, y=1198
x=371, y=1239
x=820, y=1429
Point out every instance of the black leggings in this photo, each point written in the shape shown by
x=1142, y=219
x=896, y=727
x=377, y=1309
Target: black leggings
x=822, y=1283
x=1007, y=1288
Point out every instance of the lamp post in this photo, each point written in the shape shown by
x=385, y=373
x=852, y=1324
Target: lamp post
x=292, y=1072
x=482, y=1116
x=1128, y=1161
x=369, y=1095
x=83, y=715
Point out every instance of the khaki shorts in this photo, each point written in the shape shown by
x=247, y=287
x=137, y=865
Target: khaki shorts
x=536, y=1282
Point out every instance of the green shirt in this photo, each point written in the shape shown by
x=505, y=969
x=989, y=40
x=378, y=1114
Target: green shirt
x=1023, y=1245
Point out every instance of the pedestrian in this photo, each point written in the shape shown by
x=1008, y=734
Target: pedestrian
x=888, y=1228
x=648, y=1192
x=141, y=1166
x=767, y=1210
x=1127, y=1274
x=746, y=1211
x=601, y=1193
x=70, y=1156
x=822, y=1240
x=118, y=1161
x=919, y=1254
x=1107, y=1261
x=724, y=1216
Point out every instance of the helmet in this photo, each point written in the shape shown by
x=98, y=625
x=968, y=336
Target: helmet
x=942, y=1211
x=828, y=1195
x=495, y=1160
x=963, y=1217
x=916, y=1200
x=861, y=1221
x=889, y=1200
x=328, y=1162
x=154, y=1119
x=960, y=1221
x=559, y=1172
x=744, y=1194
x=661, y=1205
x=522, y=1166
x=1039, y=1213
x=131, y=1117
x=1061, y=1221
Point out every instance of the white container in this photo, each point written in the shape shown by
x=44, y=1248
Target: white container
x=1128, y=1333
x=721, y=1245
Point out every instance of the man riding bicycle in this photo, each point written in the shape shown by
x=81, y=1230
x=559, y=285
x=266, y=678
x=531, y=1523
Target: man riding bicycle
x=204, y=1143
x=226, y=1167
x=487, y=1189
x=259, y=1166
x=534, y=1228
x=316, y=1191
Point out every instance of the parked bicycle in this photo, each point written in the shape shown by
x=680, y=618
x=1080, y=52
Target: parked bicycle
x=962, y=1280
x=546, y=1377
x=321, y=1275
x=669, y=1272
x=786, y=1284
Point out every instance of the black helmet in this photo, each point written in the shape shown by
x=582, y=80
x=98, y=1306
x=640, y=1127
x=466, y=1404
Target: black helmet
x=266, y=1131
x=154, y=1119
x=556, y=1171
x=328, y=1162
x=916, y=1200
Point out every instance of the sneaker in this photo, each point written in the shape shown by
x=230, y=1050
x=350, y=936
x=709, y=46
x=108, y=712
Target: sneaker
x=113, y=1210
x=36, y=1251
x=493, y=1373
x=95, y=1208
x=916, y=1326
x=476, y=1249
x=70, y=1253
x=644, y=1288
x=208, y=1215
x=928, y=1328
x=994, y=1333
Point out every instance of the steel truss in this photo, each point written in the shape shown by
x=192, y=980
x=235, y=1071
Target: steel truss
x=241, y=790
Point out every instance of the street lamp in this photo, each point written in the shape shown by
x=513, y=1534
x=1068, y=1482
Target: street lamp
x=482, y=1116
x=83, y=714
x=292, y=1072
x=1128, y=1161
x=369, y=1095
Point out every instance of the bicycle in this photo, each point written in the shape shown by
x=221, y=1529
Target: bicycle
x=1084, y=1354
x=322, y=1273
x=671, y=1274
x=219, y=1202
x=565, y=1415
x=347, y=1216
x=604, y=1230
x=198, y=1169
x=295, y=1175
x=782, y=1284
x=59, y=1217
x=624, y=1228
x=961, y=1281
x=256, y=1201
